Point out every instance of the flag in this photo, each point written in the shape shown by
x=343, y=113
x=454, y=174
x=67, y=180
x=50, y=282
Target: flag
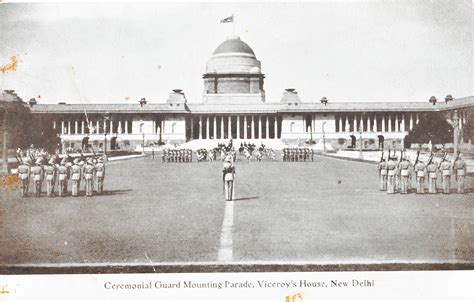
x=228, y=19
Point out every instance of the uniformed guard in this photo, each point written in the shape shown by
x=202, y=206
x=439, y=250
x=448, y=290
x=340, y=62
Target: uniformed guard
x=445, y=168
x=75, y=177
x=382, y=167
x=37, y=173
x=391, y=170
x=89, y=176
x=420, y=172
x=460, y=172
x=228, y=177
x=432, y=170
x=24, y=171
x=49, y=177
x=62, y=178
x=404, y=167
x=100, y=174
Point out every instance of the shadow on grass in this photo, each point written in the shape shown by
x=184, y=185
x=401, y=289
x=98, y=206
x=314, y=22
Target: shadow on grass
x=246, y=198
x=115, y=192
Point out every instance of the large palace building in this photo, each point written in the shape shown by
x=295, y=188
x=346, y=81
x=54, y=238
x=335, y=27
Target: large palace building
x=234, y=106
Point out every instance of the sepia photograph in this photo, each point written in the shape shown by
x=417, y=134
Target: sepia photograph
x=225, y=137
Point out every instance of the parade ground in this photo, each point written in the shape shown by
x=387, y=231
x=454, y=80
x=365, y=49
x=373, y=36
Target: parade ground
x=327, y=211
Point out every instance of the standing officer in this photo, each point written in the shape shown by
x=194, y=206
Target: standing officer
x=391, y=171
x=228, y=177
x=445, y=168
x=89, y=176
x=100, y=174
x=460, y=171
x=382, y=166
x=24, y=174
x=62, y=178
x=37, y=172
x=404, y=167
x=49, y=176
x=420, y=170
x=75, y=177
x=432, y=169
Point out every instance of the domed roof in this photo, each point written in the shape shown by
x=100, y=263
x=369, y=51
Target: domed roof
x=234, y=44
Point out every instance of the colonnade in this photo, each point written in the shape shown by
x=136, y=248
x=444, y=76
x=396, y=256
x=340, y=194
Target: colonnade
x=235, y=126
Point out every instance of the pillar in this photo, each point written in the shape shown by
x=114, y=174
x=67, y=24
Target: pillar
x=355, y=123
x=192, y=127
x=259, y=126
x=111, y=126
x=253, y=127
x=245, y=127
x=222, y=127
x=82, y=127
x=383, y=123
x=200, y=127
x=368, y=124
x=126, y=126
x=411, y=121
x=214, y=120
x=375, y=123
x=417, y=119
x=62, y=126
x=361, y=126
x=119, y=130
x=397, y=127
x=347, y=123
x=229, y=128
x=402, y=123
x=54, y=124
x=340, y=123
x=389, y=123
x=267, y=123
x=97, y=126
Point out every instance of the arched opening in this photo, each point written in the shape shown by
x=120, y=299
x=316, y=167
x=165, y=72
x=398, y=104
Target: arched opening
x=381, y=141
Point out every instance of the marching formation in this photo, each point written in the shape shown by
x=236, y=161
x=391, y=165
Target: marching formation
x=177, y=156
x=397, y=174
x=298, y=154
x=61, y=174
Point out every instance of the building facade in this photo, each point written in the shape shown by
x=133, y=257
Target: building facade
x=234, y=106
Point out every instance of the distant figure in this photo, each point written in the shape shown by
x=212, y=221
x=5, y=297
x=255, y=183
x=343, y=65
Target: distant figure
x=100, y=175
x=75, y=177
x=37, y=173
x=89, y=176
x=382, y=166
x=62, y=178
x=228, y=177
x=391, y=171
x=420, y=170
x=432, y=169
x=445, y=168
x=24, y=173
x=404, y=167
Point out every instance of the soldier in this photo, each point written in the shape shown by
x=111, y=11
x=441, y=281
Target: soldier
x=37, y=173
x=163, y=157
x=62, y=178
x=228, y=177
x=445, y=168
x=100, y=174
x=382, y=166
x=460, y=171
x=404, y=167
x=49, y=176
x=391, y=170
x=432, y=170
x=89, y=176
x=420, y=170
x=75, y=177
x=24, y=174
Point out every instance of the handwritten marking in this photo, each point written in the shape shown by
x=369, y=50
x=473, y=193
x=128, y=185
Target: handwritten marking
x=225, y=249
x=10, y=66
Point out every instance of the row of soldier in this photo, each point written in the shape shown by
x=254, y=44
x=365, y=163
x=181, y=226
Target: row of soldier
x=396, y=174
x=177, y=156
x=89, y=170
x=298, y=154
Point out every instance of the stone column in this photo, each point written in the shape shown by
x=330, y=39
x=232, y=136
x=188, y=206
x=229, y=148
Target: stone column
x=397, y=127
x=111, y=126
x=238, y=126
x=119, y=130
x=162, y=128
x=76, y=127
x=411, y=121
x=200, y=127
x=275, y=126
x=207, y=127
x=229, y=128
x=54, y=124
x=389, y=123
x=368, y=124
x=214, y=121
x=383, y=123
x=126, y=126
x=68, y=127
x=355, y=123
x=375, y=123
x=82, y=127
x=340, y=123
x=259, y=126
x=245, y=127
x=97, y=126
x=62, y=126
x=267, y=124
x=253, y=127
x=347, y=123
x=402, y=123
x=361, y=126
x=417, y=119
x=192, y=127
x=222, y=127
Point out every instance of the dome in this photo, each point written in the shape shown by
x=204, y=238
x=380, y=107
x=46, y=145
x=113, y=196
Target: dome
x=233, y=45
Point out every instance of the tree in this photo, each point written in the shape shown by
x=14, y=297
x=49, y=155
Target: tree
x=432, y=127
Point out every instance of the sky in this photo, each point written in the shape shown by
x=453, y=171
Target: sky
x=357, y=51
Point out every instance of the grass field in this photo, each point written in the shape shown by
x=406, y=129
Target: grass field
x=329, y=210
